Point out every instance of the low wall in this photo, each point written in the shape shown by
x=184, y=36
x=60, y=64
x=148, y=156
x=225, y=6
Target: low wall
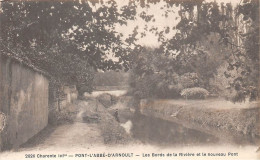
x=23, y=102
x=60, y=97
x=70, y=94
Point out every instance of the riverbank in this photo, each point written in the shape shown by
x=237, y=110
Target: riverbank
x=231, y=123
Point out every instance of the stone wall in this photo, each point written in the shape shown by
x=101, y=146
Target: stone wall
x=69, y=95
x=60, y=97
x=23, y=102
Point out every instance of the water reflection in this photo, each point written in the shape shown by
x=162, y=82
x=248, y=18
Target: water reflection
x=156, y=131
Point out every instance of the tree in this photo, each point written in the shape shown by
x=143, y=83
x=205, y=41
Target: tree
x=52, y=34
x=66, y=39
x=247, y=54
x=198, y=21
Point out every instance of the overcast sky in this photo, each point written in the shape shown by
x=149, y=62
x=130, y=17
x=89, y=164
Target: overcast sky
x=160, y=21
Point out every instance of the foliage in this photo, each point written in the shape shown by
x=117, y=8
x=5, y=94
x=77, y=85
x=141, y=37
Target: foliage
x=57, y=36
x=107, y=99
x=189, y=80
x=221, y=85
x=246, y=84
x=144, y=87
x=111, y=78
x=194, y=93
x=66, y=39
x=240, y=49
x=60, y=117
x=149, y=77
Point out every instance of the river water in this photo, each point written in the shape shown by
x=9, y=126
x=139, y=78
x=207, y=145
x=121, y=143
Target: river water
x=151, y=130
x=112, y=92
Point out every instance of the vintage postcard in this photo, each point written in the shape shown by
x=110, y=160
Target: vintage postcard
x=129, y=79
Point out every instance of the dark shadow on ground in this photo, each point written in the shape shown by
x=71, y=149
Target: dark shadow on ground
x=39, y=138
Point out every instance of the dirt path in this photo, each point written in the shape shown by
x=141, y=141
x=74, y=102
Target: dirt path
x=72, y=136
x=78, y=135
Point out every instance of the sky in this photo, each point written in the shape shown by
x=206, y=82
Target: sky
x=161, y=21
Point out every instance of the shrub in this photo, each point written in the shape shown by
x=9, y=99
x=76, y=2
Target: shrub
x=107, y=99
x=194, y=93
x=61, y=117
x=144, y=86
x=165, y=90
x=189, y=80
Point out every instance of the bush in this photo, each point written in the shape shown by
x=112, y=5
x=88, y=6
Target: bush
x=164, y=90
x=194, y=93
x=144, y=86
x=61, y=117
x=189, y=80
x=107, y=99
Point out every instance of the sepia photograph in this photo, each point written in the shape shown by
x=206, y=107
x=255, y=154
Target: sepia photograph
x=129, y=80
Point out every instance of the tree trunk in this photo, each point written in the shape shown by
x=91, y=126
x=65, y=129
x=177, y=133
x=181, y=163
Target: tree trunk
x=80, y=92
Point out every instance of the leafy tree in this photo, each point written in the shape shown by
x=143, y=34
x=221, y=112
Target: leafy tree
x=247, y=54
x=191, y=53
x=57, y=35
x=66, y=39
x=111, y=78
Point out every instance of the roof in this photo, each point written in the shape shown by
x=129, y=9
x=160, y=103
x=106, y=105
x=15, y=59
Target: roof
x=15, y=57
